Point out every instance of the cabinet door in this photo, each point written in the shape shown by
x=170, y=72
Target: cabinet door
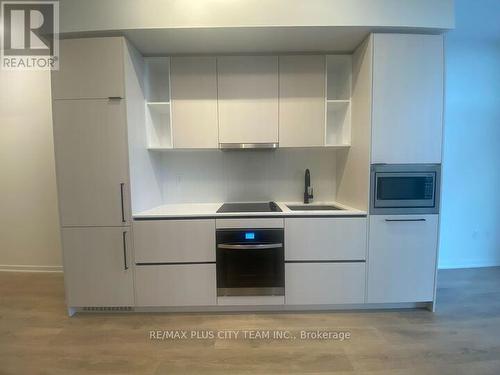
x=248, y=99
x=90, y=143
x=301, y=101
x=402, y=258
x=407, y=98
x=90, y=68
x=97, y=266
x=324, y=283
x=194, y=102
x=176, y=285
x=316, y=239
x=169, y=241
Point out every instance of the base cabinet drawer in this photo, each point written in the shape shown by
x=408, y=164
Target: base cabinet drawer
x=324, y=283
x=176, y=285
x=342, y=238
x=169, y=241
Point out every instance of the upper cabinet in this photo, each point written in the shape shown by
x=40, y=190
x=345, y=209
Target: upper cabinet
x=248, y=99
x=302, y=101
x=338, y=100
x=197, y=102
x=90, y=68
x=194, y=102
x=407, y=98
x=157, y=96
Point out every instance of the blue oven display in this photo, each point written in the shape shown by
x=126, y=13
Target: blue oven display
x=249, y=235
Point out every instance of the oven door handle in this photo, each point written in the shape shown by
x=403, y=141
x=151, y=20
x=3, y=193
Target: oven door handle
x=250, y=247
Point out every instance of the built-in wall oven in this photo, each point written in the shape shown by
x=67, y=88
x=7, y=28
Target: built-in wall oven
x=250, y=262
x=405, y=188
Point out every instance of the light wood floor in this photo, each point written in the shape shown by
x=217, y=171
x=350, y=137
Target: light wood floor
x=462, y=337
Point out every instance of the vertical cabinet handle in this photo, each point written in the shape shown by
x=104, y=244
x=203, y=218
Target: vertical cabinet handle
x=125, y=265
x=122, y=196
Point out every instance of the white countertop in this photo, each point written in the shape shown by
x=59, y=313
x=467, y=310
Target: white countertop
x=187, y=210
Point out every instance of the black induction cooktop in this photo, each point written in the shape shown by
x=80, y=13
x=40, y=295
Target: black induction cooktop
x=249, y=207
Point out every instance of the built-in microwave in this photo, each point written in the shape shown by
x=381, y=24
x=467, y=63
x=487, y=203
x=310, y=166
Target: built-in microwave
x=405, y=189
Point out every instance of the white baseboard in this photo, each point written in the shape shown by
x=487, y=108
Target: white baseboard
x=29, y=268
x=478, y=264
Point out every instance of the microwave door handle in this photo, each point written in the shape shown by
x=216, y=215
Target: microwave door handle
x=250, y=247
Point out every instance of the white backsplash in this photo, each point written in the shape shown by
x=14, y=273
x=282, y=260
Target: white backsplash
x=232, y=176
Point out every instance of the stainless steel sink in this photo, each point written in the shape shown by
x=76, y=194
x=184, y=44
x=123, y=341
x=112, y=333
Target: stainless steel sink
x=313, y=207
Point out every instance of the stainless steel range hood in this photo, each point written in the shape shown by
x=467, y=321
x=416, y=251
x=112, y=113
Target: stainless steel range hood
x=248, y=146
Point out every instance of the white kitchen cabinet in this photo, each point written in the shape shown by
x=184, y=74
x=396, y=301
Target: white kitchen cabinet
x=248, y=99
x=407, y=98
x=338, y=103
x=98, y=267
x=90, y=68
x=158, y=105
x=302, y=101
x=171, y=241
x=90, y=140
x=341, y=238
x=402, y=258
x=157, y=79
x=194, y=102
x=176, y=285
x=324, y=283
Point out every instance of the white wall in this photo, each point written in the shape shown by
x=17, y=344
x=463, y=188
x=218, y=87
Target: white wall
x=29, y=227
x=470, y=224
x=232, y=176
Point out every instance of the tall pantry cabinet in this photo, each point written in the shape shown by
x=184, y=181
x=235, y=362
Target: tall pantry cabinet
x=407, y=127
x=91, y=151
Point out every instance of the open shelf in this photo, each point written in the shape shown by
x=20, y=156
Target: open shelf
x=157, y=79
x=160, y=107
x=338, y=100
x=160, y=148
x=158, y=121
x=338, y=75
x=338, y=124
x=158, y=127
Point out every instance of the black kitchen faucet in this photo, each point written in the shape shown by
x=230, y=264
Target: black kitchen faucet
x=308, y=190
